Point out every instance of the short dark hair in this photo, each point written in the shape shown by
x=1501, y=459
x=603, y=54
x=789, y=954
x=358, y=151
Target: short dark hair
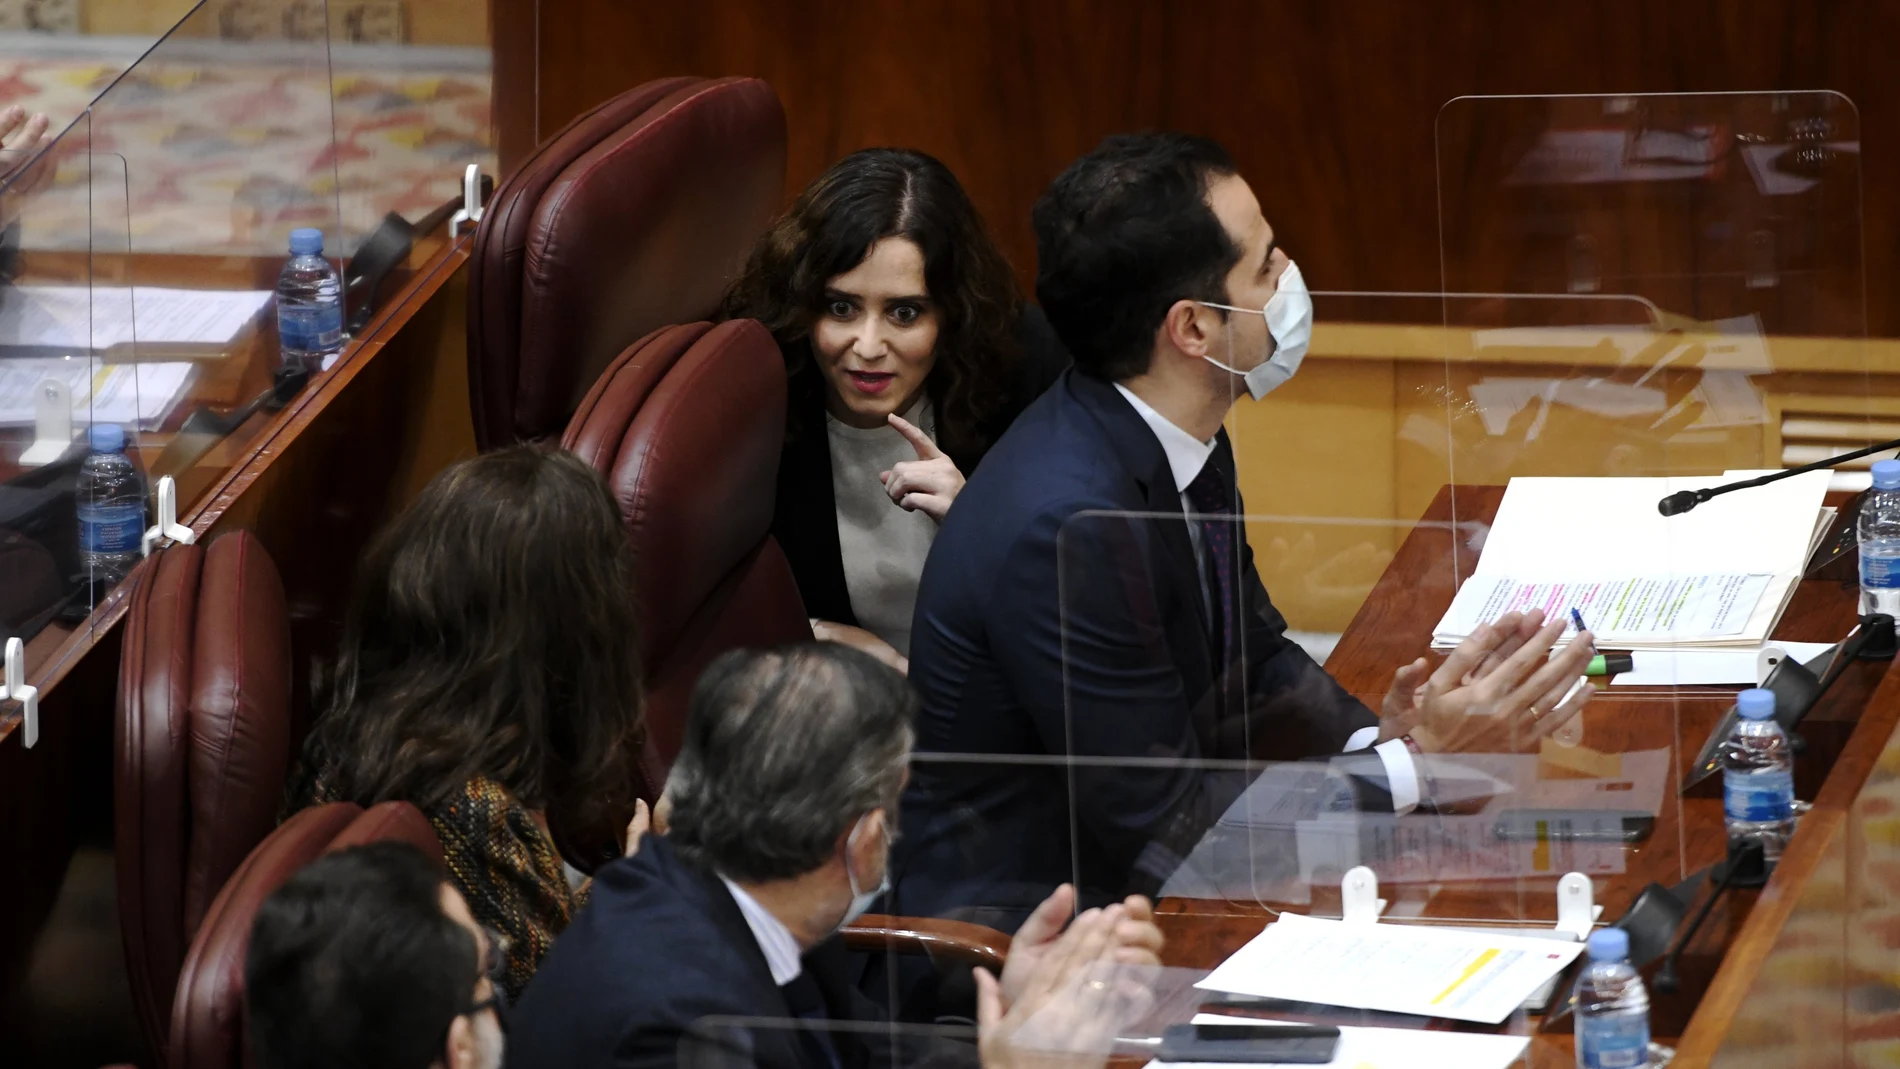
x=492, y=633
x=860, y=200
x=353, y=962
x=783, y=749
x=1121, y=236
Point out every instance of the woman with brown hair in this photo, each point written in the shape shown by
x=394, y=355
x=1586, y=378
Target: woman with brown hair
x=489, y=675
x=909, y=351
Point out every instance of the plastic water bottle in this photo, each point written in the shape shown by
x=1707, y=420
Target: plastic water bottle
x=1880, y=542
x=1612, y=1006
x=111, y=507
x=1758, y=777
x=309, y=304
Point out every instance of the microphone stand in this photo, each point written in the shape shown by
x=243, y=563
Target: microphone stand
x=1746, y=867
x=1683, y=500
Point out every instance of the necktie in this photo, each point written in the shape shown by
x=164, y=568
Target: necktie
x=1211, y=495
x=807, y=1004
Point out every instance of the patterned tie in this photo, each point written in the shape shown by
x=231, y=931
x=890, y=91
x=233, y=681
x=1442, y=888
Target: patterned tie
x=1211, y=495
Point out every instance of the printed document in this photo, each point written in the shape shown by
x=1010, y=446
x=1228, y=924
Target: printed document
x=142, y=393
x=1617, y=611
x=1739, y=555
x=92, y=319
x=1398, y=968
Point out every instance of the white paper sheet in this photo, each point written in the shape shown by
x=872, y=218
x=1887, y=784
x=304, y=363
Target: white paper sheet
x=1631, y=609
x=1392, y=1048
x=140, y=393
x=1679, y=668
x=95, y=318
x=1399, y=968
x=1554, y=530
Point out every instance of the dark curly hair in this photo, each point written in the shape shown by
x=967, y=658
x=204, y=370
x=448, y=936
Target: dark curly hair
x=868, y=196
x=491, y=633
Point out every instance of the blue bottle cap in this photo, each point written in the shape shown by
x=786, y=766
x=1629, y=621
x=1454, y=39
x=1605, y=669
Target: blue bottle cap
x=1609, y=944
x=306, y=241
x=106, y=438
x=1887, y=474
x=1755, y=703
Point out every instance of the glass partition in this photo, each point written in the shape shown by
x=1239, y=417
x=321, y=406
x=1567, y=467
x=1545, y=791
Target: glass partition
x=63, y=304
x=163, y=219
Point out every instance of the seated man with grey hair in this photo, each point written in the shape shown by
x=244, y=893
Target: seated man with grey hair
x=782, y=805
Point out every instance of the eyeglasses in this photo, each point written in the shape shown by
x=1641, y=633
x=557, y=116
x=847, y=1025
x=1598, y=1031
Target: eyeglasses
x=494, y=965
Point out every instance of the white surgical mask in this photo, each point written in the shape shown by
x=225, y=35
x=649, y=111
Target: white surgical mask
x=861, y=900
x=1289, y=316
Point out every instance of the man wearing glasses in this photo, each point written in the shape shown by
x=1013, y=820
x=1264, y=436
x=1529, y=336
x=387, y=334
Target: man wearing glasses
x=369, y=957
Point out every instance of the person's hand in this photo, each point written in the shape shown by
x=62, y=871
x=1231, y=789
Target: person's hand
x=928, y=484
x=662, y=812
x=1491, y=695
x=860, y=639
x=21, y=135
x=1071, y=1004
x=1136, y=940
x=637, y=828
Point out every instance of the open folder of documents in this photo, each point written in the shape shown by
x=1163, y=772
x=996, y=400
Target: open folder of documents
x=1399, y=968
x=1718, y=576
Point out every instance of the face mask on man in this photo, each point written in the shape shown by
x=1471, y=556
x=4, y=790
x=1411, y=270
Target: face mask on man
x=861, y=900
x=1289, y=316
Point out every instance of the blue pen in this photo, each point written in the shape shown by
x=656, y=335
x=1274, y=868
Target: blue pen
x=1577, y=618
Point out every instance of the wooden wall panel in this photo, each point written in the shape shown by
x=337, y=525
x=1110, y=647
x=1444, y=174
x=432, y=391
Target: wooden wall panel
x=1330, y=108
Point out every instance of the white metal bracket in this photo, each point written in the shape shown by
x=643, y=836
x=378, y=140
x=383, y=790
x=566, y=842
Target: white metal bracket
x=52, y=423
x=167, y=525
x=470, y=212
x=1576, y=906
x=1359, y=901
x=16, y=689
x=1767, y=661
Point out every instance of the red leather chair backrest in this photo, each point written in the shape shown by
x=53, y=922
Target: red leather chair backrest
x=636, y=215
x=687, y=425
x=201, y=748
x=207, y=1021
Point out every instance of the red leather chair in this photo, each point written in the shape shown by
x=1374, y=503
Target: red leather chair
x=686, y=426
x=207, y=1021
x=636, y=215
x=202, y=745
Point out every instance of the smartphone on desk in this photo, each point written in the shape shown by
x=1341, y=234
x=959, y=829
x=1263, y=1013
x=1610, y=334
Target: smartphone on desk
x=1574, y=825
x=1297, y=1044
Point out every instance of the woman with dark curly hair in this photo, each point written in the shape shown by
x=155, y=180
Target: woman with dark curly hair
x=489, y=673
x=909, y=351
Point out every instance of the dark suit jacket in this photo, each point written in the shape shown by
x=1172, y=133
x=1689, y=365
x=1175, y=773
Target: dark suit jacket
x=805, y=518
x=1061, y=613
x=658, y=958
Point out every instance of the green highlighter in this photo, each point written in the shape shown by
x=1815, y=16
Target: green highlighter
x=1609, y=664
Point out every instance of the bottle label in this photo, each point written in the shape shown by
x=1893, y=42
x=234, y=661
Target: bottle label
x=1758, y=796
x=1616, y=1041
x=1878, y=572
x=111, y=529
x=310, y=328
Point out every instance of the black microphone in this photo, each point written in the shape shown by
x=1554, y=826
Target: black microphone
x=1745, y=867
x=1683, y=500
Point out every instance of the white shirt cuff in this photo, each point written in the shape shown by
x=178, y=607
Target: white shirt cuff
x=1361, y=739
x=1401, y=774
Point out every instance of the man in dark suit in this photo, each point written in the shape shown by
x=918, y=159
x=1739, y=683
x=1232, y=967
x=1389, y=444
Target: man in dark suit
x=714, y=942
x=1091, y=603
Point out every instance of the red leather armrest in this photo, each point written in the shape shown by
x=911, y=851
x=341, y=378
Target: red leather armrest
x=958, y=941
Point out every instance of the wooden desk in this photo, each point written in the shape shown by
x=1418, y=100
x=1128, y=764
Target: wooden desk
x=1394, y=626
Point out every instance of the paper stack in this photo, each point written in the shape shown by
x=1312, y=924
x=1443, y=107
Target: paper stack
x=1716, y=577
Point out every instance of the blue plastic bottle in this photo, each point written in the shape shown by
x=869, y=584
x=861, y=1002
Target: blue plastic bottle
x=309, y=304
x=111, y=507
x=1612, y=1006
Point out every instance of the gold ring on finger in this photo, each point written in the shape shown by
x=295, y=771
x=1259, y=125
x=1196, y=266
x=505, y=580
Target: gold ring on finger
x=1536, y=714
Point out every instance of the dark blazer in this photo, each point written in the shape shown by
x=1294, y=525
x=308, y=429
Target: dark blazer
x=805, y=518
x=1045, y=627
x=659, y=950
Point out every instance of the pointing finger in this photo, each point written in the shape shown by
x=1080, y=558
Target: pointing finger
x=926, y=449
